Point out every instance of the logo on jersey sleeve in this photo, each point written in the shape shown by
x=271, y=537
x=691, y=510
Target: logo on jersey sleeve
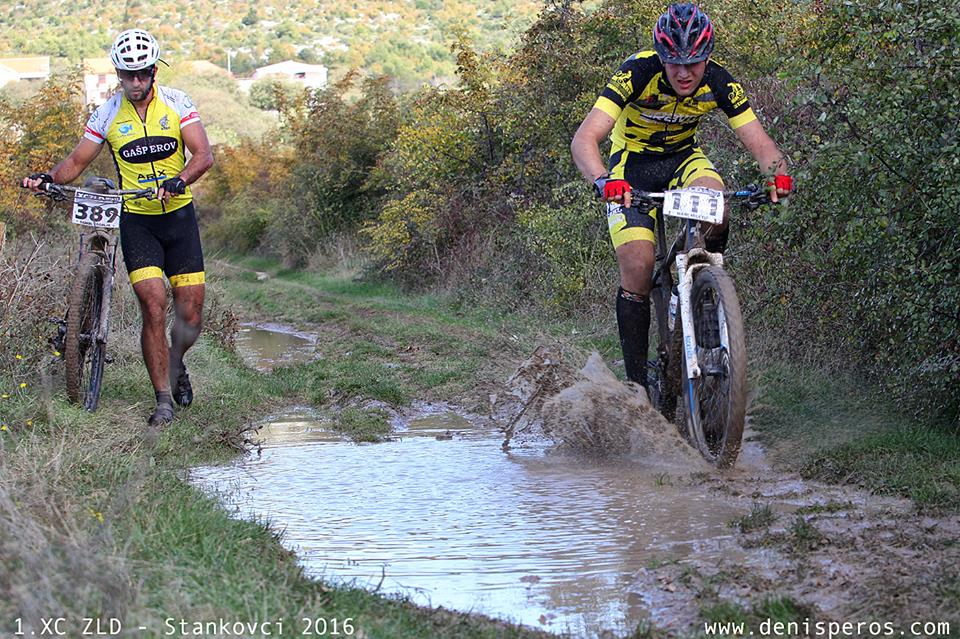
x=152, y=148
x=621, y=83
x=737, y=95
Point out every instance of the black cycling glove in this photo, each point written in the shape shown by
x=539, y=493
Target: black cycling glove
x=43, y=177
x=174, y=186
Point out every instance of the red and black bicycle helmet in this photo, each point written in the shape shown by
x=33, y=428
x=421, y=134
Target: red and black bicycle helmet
x=683, y=34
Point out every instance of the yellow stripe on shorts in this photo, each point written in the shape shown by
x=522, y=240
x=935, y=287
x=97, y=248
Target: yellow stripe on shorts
x=619, y=232
x=145, y=273
x=187, y=279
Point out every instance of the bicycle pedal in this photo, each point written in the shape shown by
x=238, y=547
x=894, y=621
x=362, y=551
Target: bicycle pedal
x=108, y=359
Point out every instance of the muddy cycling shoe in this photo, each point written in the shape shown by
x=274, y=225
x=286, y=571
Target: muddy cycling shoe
x=180, y=385
x=162, y=415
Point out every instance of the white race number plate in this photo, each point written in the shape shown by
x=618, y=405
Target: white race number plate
x=96, y=209
x=694, y=203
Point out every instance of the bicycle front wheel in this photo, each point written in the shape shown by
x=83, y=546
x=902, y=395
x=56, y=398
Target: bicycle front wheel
x=715, y=403
x=83, y=354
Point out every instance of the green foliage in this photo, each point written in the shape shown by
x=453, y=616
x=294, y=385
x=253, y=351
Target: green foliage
x=242, y=223
x=364, y=425
x=242, y=192
x=268, y=94
x=870, y=244
x=37, y=132
x=336, y=143
x=915, y=462
x=473, y=184
x=760, y=516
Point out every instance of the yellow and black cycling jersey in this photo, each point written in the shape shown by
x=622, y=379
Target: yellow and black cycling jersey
x=148, y=151
x=651, y=119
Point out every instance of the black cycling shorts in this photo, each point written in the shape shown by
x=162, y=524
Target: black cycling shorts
x=168, y=243
x=655, y=173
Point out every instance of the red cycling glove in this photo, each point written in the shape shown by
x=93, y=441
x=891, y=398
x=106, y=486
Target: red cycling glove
x=609, y=189
x=782, y=183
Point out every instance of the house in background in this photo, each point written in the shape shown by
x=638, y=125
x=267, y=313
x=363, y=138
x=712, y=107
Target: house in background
x=99, y=80
x=33, y=68
x=313, y=76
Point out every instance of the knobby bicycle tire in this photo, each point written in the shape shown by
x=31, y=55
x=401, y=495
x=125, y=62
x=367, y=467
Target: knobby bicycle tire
x=714, y=405
x=83, y=355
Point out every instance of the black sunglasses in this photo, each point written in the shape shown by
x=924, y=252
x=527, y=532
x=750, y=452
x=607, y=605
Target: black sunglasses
x=142, y=74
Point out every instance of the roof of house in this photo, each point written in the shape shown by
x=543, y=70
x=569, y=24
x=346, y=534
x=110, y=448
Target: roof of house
x=290, y=66
x=28, y=67
x=98, y=66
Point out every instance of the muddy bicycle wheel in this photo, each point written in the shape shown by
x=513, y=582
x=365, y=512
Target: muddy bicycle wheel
x=715, y=403
x=83, y=354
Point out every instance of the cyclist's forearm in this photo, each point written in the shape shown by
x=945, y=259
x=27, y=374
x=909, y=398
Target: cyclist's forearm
x=66, y=171
x=771, y=161
x=585, y=146
x=196, y=166
x=586, y=155
x=70, y=168
x=762, y=147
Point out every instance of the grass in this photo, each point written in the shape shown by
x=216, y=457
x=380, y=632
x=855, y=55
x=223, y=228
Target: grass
x=830, y=428
x=362, y=425
x=761, y=516
x=96, y=518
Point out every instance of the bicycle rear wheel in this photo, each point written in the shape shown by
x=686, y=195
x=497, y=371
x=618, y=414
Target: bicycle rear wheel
x=83, y=354
x=714, y=404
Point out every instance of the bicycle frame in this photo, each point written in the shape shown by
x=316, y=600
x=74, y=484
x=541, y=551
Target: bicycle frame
x=92, y=292
x=689, y=256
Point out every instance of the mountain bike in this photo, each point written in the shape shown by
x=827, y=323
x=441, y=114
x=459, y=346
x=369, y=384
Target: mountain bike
x=699, y=340
x=82, y=334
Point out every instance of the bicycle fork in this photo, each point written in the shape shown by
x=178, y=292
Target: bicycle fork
x=686, y=272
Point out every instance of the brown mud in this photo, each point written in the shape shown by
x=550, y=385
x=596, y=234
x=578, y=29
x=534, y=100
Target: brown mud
x=839, y=553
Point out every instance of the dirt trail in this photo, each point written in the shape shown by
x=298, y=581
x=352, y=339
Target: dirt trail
x=837, y=552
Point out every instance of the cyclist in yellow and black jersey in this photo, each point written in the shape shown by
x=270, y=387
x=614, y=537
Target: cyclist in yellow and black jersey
x=657, y=121
x=147, y=151
x=148, y=128
x=651, y=108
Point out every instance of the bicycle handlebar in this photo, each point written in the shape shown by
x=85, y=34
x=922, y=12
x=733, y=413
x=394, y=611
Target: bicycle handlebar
x=58, y=191
x=750, y=195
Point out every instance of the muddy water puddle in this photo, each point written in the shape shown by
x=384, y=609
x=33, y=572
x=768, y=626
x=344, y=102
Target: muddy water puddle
x=441, y=515
x=267, y=346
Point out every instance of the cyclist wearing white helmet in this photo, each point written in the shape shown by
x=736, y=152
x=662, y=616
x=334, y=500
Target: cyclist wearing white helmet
x=148, y=127
x=651, y=108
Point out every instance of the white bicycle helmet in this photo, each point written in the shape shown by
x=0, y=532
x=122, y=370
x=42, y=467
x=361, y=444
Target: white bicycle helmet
x=134, y=49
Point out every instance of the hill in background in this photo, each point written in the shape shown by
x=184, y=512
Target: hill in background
x=406, y=39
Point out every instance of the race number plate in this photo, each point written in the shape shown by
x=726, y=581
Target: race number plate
x=694, y=203
x=96, y=209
